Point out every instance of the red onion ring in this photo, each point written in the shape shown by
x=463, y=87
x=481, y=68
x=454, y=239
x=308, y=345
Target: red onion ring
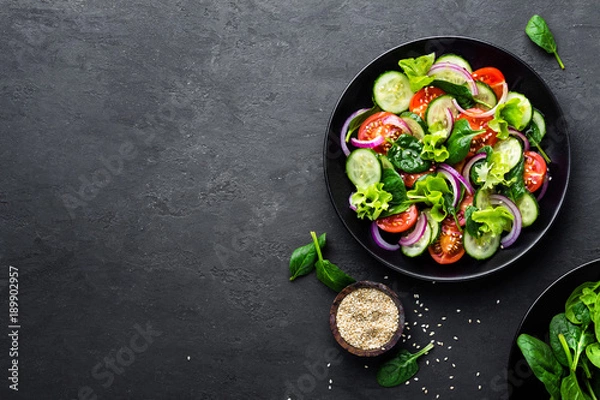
x=455, y=186
x=466, y=172
x=368, y=144
x=483, y=114
x=345, y=127
x=457, y=176
x=515, y=231
x=450, y=119
x=520, y=136
x=444, y=66
x=416, y=234
x=380, y=241
x=544, y=187
x=352, y=206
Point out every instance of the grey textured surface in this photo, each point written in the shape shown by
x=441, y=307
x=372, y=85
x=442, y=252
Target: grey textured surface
x=161, y=160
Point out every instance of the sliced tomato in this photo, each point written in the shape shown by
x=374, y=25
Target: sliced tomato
x=383, y=124
x=448, y=247
x=420, y=100
x=399, y=222
x=410, y=179
x=491, y=76
x=466, y=202
x=535, y=170
x=487, y=138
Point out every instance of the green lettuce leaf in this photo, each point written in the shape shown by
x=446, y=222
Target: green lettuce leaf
x=371, y=201
x=493, y=219
x=434, y=148
x=492, y=172
x=416, y=70
x=432, y=190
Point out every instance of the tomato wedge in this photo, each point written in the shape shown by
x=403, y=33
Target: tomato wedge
x=535, y=170
x=491, y=76
x=383, y=124
x=410, y=179
x=487, y=138
x=448, y=247
x=420, y=100
x=399, y=222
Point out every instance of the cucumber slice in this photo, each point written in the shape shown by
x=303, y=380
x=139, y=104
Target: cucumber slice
x=526, y=110
x=511, y=149
x=482, y=247
x=415, y=123
x=456, y=60
x=529, y=208
x=363, y=168
x=485, y=95
x=540, y=123
x=433, y=224
x=482, y=198
x=391, y=92
x=418, y=248
x=437, y=117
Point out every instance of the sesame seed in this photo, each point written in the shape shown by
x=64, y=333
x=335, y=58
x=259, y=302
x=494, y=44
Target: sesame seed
x=419, y=315
x=440, y=343
x=439, y=325
x=437, y=396
x=329, y=387
x=437, y=360
x=455, y=338
x=497, y=301
x=445, y=358
x=407, y=382
x=425, y=390
x=416, y=378
x=478, y=321
x=426, y=309
x=449, y=347
x=366, y=366
x=451, y=387
x=458, y=310
x=443, y=318
x=478, y=373
x=431, y=333
x=331, y=381
x=188, y=358
x=426, y=362
x=453, y=365
x=328, y=365
x=451, y=377
x=479, y=387
x=385, y=277
x=416, y=295
x=470, y=320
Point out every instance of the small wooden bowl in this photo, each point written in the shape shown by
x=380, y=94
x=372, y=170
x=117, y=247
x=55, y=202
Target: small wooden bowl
x=333, y=319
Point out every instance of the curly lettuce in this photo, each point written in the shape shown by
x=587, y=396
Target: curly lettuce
x=416, y=70
x=371, y=201
x=434, y=148
x=492, y=172
x=432, y=190
x=494, y=220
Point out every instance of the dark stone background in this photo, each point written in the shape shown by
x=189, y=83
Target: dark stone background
x=160, y=160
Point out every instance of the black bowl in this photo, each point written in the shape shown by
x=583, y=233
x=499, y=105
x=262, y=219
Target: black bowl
x=521, y=78
x=521, y=382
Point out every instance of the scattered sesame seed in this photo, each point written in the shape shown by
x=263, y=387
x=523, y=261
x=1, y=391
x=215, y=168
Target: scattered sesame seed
x=453, y=365
x=478, y=321
x=458, y=310
x=328, y=365
x=437, y=360
x=437, y=396
x=385, y=277
x=415, y=323
x=439, y=325
x=478, y=373
x=431, y=333
x=451, y=387
x=449, y=347
x=407, y=382
x=408, y=337
x=425, y=390
x=331, y=381
x=417, y=302
x=419, y=315
x=479, y=387
x=451, y=377
x=329, y=387
x=470, y=320
x=440, y=343
x=455, y=338
x=445, y=358
x=416, y=295
x=426, y=309
x=443, y=318
x=426, y=362
x=416, y=378
x=188, y=358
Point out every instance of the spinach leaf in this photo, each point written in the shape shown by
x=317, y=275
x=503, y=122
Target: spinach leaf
x=593, y=353
x=461, y=93
x=302, y=261
x=542, y=362
x=416, y=70
x=570, y=389
x=471, y=226
x=400, y=368
x=405, y=154
x=359, y=119
x=459, y=142
x=393, y=184
x=534, y=136
x=538, y=31
x=577, y=338
x=574, y=306
x=329, y=273
x=517, y=187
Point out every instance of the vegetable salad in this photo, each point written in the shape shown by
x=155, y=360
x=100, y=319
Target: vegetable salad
x=448, y=160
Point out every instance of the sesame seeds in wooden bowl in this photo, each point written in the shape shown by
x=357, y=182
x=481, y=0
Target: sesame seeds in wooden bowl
x=367, y=318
